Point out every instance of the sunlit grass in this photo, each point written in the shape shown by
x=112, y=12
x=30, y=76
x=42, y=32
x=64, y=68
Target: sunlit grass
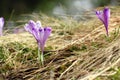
x=70, y=39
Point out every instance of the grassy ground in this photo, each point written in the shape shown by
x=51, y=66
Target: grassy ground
x=76, y=50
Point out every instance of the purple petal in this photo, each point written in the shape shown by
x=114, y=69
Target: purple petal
x=44, y=33
x=41, y=34
x=1, y=22
x=47, y=32
x=31, y=27
x=106, y=12
x=1, y=25
x=104, y=17
x=28, y=27
x=41, y=41
x=100, y=15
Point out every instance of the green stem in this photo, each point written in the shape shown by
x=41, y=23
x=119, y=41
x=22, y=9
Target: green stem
x=40, y=57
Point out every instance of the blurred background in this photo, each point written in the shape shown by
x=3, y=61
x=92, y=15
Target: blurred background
x=14, y=8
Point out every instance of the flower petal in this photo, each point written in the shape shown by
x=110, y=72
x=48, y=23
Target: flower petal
x=44, y=34
x=100, y=15
x=41, y=36
x=47, y=32
x=106, y=12
x=38, y=23
x=1, y=25
x=104, y=17
x=31, y=27
x=28, y=27
x=1, y=22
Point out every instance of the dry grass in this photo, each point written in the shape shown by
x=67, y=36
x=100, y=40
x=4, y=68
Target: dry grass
x=74, y=51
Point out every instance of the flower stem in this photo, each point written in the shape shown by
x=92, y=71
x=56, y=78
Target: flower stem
x=40, y=57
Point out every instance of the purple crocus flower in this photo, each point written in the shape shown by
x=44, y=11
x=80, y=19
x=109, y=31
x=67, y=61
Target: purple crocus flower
x=41, y=34
x=1, y=25
x=104, y=17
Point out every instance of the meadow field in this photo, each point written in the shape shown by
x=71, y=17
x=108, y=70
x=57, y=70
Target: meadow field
x=76, y=50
